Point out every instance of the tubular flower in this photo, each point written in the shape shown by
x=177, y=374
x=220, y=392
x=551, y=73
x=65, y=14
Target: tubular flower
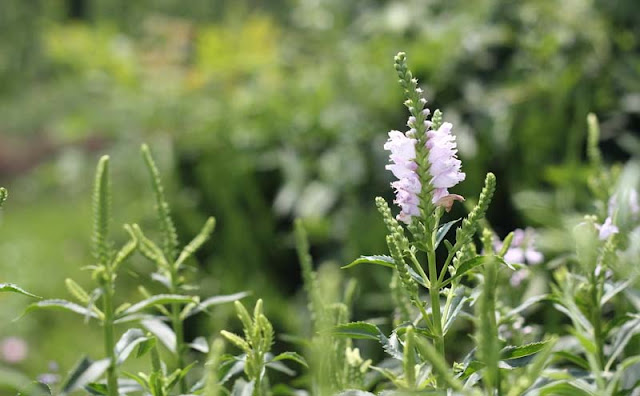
x=444, y=168
x=403, y=166
x=444, y=165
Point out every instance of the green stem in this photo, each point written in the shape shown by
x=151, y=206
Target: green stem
x=109, y=341
x=434, y=294
x=179, y=330
x=596, y=321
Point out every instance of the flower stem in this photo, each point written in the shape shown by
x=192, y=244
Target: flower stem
x=178, y=328
x=434, y=294
x=109, y=341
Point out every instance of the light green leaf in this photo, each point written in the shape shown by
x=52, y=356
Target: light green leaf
x=467, y=266
x=621, y=339
x=216, y=300
x=456, y=306
x=13, y=288
x=359, y=330
x=355, y=392
x=85, y=372
x=516, y=352
x=563, y=388
x=290, y=356
x=442, y=231
x=127, y=343
x=380, y=260
x=200, y=344
x=61, y=304
x=159, y=299
x=163, y=332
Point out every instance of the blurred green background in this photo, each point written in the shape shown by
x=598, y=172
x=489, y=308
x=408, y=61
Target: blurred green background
x=259, y=112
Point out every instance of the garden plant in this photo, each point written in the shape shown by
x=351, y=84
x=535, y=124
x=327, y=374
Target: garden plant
x=466, y=306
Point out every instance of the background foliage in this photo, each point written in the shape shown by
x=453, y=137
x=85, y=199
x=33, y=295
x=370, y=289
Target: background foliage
x=260, y=112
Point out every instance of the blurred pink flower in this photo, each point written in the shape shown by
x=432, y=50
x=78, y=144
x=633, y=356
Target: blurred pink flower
x=606, y=229
x=14, y=349
x=403, y=166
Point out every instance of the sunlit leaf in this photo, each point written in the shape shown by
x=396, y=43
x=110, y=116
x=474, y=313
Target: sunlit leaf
x=13, y=288
x=380, y=260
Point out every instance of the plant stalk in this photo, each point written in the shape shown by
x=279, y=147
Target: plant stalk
x=434, y=294
x=178, y=328
x=109, y=341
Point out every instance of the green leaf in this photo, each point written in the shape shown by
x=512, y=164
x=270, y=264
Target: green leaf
x=127, y=343
x=528, y=303
x=243, y=388
x=380, y=260
x=86, y=371
x=200, y=344
x=279, y=366
x=621, y=339
x=573, y=358
x=456, y=306
x=516, y=352
x=359, y=330
x=159, y=299
x=467, y=266
x=146, y=346
x=97, y=389
x=563, y=388
x=12, y=288
x=216, y=300
x=442, y=231
x=163, y=332
x=611, y=290
x=290, y=356
x=61, y=304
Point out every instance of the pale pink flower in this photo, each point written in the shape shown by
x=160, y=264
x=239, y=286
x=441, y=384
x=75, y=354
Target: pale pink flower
x=444, y=165
x=403, y=166
x=14, y=349
x=606, y=229
x=522, y=249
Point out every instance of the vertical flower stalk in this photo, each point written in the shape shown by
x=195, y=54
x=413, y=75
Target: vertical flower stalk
x=424, y=161
x=102, y=252
x=424, y=158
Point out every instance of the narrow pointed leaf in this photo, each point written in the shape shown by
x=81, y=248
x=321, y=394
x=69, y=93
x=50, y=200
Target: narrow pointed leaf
x=290, y=356
x=380, y=260
x=163, y=332
x=63, y=305
x=200, y=344
x=127, y=343
x=516, y=352
x=216, y=300
x=442, y=231
x=84, y=373
x=467, y=266
x=159, y=299
x=13, y=288
x=359, y=330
